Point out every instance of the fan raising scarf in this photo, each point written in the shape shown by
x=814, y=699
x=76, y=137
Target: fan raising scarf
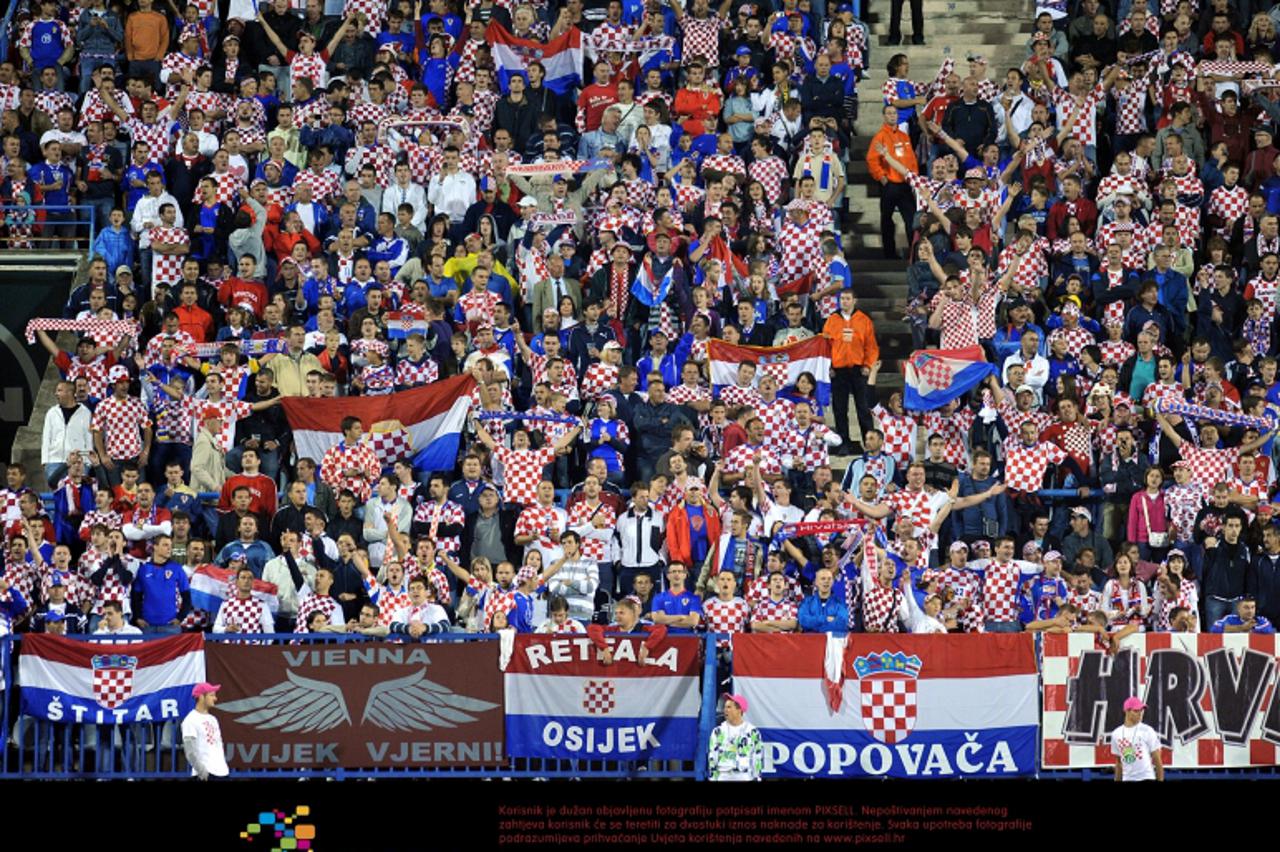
x=99, y=329
x=521, y=415
x=1201, y=412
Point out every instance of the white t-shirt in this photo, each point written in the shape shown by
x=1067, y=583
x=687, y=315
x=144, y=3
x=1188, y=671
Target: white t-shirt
x=203, y=727
x=1134, y=746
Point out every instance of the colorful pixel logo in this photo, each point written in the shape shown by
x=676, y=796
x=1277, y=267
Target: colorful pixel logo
x=286, y=832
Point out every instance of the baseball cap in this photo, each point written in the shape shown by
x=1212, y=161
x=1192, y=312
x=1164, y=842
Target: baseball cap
x=525, y=574
x=486, y=184
x=612, y=344
x=1083, y=512
x=742, y=50
x=975, y=173
x=959, y=545
x=53, y=617
x=1053, y=556
x=124, y=269
x=1133, y=702
x=204, y=689
x=1026, y=388
x=236, y=555
x=528, y=201
x=694, y=485
x=737, y=699
x=118, y=373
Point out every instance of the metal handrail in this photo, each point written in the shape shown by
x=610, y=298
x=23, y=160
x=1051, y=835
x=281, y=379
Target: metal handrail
x=84, y=214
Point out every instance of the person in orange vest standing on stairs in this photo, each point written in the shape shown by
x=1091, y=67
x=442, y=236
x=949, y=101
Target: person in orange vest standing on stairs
x=853, y=353
x=895, y=192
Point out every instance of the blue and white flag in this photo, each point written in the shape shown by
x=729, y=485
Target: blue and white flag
x=563, y=702
x=937, y=376
x=110, y=683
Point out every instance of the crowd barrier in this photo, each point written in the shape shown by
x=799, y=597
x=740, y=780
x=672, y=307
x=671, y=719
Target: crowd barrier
x=878, y=705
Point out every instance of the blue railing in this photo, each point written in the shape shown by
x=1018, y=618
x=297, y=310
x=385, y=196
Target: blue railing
x=6, y=32
x=35, y=748
x=24, y=229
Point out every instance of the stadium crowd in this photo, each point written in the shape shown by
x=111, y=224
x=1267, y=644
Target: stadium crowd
x=304, y=204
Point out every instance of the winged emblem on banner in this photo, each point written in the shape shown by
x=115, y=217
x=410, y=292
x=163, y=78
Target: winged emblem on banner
x=305, y=705
x=932, y=373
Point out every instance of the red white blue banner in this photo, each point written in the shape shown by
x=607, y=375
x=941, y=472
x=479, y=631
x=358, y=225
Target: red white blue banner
x=424, y=423
x=934, y=377
x=563, y=702
x=212, y=585
x=892, y=705
x=784, y=363
x=561, y=56
x=109, y=683
x=1211, y=697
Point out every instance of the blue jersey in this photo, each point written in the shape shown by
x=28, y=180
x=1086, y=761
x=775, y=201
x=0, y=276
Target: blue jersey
x=46, y=43
x=1260, y=624
x=160, y=585
x=684, y=603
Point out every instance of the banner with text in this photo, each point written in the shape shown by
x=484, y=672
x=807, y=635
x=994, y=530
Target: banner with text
x=359, y=706
x=1211, y=698
x=891, y=704
x=564, y=702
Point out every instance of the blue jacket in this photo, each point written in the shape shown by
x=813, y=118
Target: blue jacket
x=967, y=523
x=819, y=616
x=64, y=531
x=1173, y=296
x=1260, y=624
x=116, y=247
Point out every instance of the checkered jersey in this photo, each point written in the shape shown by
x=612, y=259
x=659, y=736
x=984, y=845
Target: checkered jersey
x=799, y=250
x=228, y=188
x=433, y=514
x=250, y=615
x=157, y=135
x=767, y=609
x=1086, y=601
x=880, y=608
x=1188, y=597
x=1077, y=339
x=1186, y=220
x=229, y=409
x=1265, y=292
x=1228, y=204
x=702, y=38
x=1131, y=103
x=522, y=471
x=899, y=434
x=913, y=505
x=778, y=418
x=324, y=184
x=438, y=579
x=583, y=513
x=999, y=590
x=745, y=454
x=959, y=322
x=340, y=458
x=121, y=422
x=810, y=445
x=736, y=396
x=1033, y=267
x=317, y=603
x=721, y=616
x=1116, y=351
x=730, y=163
x=771, y=172
x=682, y=394
x=544, y=523
x=411, y=375
x=1210, y=465
x=21, y=576
x=599, y=379
x=477, y=305
x=389, y=599
x=167, y=268
x=51, y=101
x=955, y=430
x=1085, y=127
x=1025, y=466
x=1013, y=418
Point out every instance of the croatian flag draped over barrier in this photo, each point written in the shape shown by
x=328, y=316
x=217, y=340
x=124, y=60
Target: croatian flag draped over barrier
x=563, y=702
x=110, y=683
x=934, y=377
x=424, y=423
x=211, y=585
x=784, y=363
x=1213, y=698
x=561, y=56
x=910, y=706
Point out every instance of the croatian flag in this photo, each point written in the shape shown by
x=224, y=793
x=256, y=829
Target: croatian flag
x=400, y=325
x=784, y=363
x=949, y=706
x=211, y=585
x=423, y=423
x=562, y=702
x=562, y=56
x=110, y=683
x=934, y=377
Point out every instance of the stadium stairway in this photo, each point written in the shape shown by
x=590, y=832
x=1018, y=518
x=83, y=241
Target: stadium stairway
x=996, y=29
x=32, y=284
